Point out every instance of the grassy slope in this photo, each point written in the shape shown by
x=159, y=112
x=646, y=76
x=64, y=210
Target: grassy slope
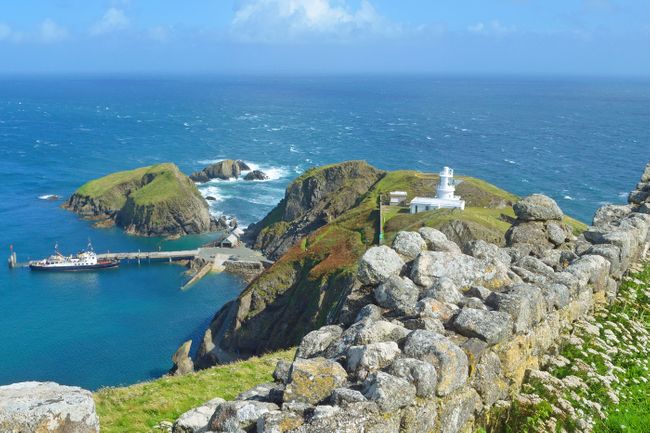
x=168, y=184
x=621, y=349
x=138, y=408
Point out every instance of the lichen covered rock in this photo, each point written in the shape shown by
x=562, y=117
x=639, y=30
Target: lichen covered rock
x=313, y=380
x=46, y=407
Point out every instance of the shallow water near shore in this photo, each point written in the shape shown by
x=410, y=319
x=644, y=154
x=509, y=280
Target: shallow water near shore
x=583, y=142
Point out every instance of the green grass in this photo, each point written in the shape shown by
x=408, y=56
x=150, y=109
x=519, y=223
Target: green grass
x=145, y=185
x=138, y=408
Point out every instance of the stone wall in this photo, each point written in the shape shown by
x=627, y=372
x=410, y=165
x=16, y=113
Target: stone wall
x=439, y=333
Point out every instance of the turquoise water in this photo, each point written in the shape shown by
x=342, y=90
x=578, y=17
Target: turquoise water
x=584, y=142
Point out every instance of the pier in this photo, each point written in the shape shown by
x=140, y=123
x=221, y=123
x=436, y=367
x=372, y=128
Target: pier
x=239, y=260
x=152, y=255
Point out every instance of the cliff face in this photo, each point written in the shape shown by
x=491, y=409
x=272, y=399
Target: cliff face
x=326, y=221
x=314, y=199
x=150, y=201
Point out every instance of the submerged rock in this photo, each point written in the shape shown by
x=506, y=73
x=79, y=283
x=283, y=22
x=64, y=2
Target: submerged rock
x=47, y=407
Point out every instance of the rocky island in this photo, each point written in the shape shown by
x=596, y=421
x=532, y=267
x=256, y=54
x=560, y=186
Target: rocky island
x=226, y=170
x=158, y=200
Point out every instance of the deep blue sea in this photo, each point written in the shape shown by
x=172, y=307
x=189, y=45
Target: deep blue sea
x=582, y=141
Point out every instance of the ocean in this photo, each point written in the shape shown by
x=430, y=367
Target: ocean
x=584, y=142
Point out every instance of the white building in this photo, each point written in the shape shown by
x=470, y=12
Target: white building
x=445, y=197
x=398, y=198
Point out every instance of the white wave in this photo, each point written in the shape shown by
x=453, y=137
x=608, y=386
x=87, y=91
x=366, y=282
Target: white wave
x=49, y=197
x=274, y=173
x=185, y=124
x=510, y=161
x=429, y=137
x=293, y=149
x=213, y=191
x=568, y=197
x=623, y=194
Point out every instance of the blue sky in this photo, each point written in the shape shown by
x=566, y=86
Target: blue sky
x=576, y=37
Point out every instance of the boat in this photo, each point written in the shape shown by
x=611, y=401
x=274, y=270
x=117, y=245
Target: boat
x=85, y=260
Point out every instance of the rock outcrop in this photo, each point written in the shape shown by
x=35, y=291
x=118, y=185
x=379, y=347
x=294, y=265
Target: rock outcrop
x=226, y=169
x=46, y=407
x=182, y=362
x=442, y=336
x=314, y=199
x=150, y=201
x=256, y=175
x=538, y=227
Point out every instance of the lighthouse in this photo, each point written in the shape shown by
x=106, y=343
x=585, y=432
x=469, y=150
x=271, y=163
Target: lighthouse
x=445, y=198
x=446, y=187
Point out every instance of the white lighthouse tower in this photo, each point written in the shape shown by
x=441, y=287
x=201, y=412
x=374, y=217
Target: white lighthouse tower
x=445, y=195
x=446, y=187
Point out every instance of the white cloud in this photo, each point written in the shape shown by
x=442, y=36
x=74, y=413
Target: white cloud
x=493, y=27
x=113, y=20
x=51, y=32
x=5, y=32
x=295, y=20
x=159, y=33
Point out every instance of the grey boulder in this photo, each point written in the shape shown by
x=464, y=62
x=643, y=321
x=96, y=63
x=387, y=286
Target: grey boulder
x=489, y=326
x=389, y=392
x=409, y=244
x=47, y=407
x=235, y=416
x=379, y=263
x=537, y=207
x=397, y=293
x=316, y=342
x=196, y=420
x=450, y=360
x=419, y=373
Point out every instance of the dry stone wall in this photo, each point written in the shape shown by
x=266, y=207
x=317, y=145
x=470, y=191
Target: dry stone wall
x=448, y=331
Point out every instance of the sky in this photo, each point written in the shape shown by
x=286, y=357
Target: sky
x=545, y=37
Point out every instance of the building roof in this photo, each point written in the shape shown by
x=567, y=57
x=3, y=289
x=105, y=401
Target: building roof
x=231, y=239
x=398, y=193
x=434, y=201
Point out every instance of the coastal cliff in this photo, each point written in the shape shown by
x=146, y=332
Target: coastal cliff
x=157, y=200
x=314, y=199
x=324, y=224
